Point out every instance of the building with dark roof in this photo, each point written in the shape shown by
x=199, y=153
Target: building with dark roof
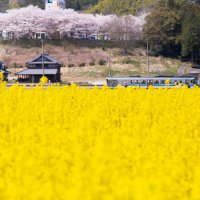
x=39, y=66
x=4, y=71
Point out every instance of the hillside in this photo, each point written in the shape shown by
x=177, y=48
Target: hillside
x=85, y=63
x=122, y=7
x=103, y=6
x=134, y=6
x=75, y=4
x=97, y=6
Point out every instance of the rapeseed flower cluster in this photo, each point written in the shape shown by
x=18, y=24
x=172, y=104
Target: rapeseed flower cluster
x=71, y=143
x=43, y=80
x=1, y=77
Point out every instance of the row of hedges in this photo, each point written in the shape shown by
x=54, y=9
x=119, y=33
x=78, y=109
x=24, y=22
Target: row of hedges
x=100, y=62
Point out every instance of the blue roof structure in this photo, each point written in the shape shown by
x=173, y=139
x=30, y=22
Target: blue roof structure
x=37, y=72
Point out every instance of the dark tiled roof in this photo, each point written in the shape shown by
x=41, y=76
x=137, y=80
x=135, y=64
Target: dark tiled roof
x=47, y=59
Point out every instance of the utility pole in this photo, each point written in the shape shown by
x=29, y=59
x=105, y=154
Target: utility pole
x=109, y=65
x=42, y=57
x=147, y=54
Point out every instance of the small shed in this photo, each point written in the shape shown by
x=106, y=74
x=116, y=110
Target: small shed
x=4, y=71
x=42, y=64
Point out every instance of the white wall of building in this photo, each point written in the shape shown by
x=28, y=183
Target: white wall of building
x=60, y=4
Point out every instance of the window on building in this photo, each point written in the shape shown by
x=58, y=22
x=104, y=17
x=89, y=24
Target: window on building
x=50, y=1
x=43, y=35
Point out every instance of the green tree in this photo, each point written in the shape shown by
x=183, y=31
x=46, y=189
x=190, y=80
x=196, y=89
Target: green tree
x=162, y=29
x=124, y=7
x=3, y=5
x=190, y=37
x=77, y=5
x=39, y=3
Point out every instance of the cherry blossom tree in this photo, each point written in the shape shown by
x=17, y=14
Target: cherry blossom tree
x=24, y=22
x=125, y=30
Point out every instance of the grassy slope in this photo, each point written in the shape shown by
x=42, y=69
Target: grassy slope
x=134, y=64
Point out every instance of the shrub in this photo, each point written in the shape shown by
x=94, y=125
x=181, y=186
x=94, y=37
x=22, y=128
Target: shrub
x=71, y=65
x=1, y=77
x=91, y=63
x=43, y=80
x=102, y=62
x=128, y=60
x=81, y=65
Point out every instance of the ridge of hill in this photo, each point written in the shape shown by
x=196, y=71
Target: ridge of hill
x=118, y=7
x=101, y=6
x=122, y=7
x=75, y=4
x=95, y=6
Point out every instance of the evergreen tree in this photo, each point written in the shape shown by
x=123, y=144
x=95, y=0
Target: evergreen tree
x=162, y=29
x=190, y=37
x=173, y=27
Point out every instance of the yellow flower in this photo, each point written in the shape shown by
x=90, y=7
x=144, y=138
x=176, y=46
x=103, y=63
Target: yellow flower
x=167, y=82
x=43, y=80
x=76, y=143
x=1, y=77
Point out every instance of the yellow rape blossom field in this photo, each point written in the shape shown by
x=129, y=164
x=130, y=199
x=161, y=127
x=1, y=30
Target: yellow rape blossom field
x=70, y=143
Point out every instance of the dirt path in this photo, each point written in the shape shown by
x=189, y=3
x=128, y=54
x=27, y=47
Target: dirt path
x=182, y=70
